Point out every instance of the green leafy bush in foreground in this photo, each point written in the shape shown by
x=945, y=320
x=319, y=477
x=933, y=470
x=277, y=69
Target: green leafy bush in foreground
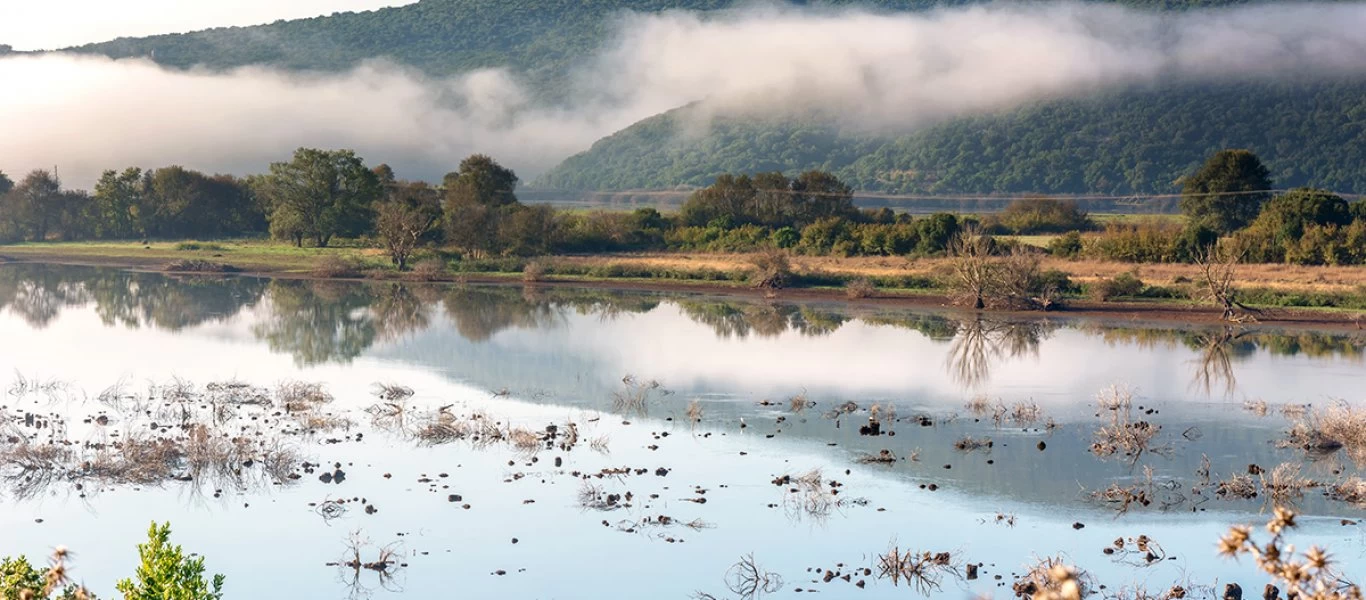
x=164, y=573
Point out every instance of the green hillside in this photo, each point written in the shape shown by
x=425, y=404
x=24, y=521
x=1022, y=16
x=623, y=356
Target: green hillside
x=1131, y=142
x=1136, y=141
x=542, y=38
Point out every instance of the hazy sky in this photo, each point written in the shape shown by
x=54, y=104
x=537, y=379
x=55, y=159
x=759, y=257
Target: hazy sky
x=49, y=24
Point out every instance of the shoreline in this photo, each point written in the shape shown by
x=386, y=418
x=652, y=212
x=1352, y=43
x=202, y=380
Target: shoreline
x=1155, y=311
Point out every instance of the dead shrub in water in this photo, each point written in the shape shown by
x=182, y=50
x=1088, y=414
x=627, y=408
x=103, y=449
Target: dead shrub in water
x=1053, y=579
x=299, y=396
x=525, y=440
x=1284, y=486
x=392, y=392
x=883, y=456
x=1311, y=574
x=1025, y=413
x=695, y=412
x=747, y=580
x=387, y=560
x=635, y=395
x=923, y=570
x=1123, y=434
x=1140, y=551
x=1340, y=426
x=1237, y=487
x=1351, y=490
x=968, y=444
x=1257, y=407
x=1165, y=494
x=978, y=406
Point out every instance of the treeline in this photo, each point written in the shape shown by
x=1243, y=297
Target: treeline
x=320, y=195
x=170, y=202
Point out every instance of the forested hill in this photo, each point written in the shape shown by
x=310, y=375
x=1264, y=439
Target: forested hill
x=442, y=37
x=1130, y=142
x=1138, y=141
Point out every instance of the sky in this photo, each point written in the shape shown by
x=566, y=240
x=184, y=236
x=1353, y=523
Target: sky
x=52, y=24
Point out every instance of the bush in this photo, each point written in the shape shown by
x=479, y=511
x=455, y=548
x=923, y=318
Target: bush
x=860, y=288
x=199, y=266
x=333, y=266
x=1043, y=215
x=1067, y=245
x=199, y=246
x=166, y=573
x=1122, y=285
x=786, y=237
x=533, y=272
x=431, y=269
x=772, y=270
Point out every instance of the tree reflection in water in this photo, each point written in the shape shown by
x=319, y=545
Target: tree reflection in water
x=334, y=322
x=981, y=342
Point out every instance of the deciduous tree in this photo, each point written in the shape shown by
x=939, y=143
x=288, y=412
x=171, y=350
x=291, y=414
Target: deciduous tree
x=320, y=194
x=1226, y=193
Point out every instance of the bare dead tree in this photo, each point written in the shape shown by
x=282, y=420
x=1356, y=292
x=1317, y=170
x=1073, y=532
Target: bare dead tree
x=973, y=268
x=1218, y=270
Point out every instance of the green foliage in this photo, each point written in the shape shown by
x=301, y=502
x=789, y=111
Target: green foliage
x=1226, y=193
x=165, y=573
x=1148, y=240
x=18, y=579
x=1141, y=140
x=1123, y=285
x=770, y=199
x=1067, y=245
x=1028, y=216
x=1304, y=226
x=320, y=194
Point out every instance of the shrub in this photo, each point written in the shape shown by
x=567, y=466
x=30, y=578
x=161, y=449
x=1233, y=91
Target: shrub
x=199, y=266
x=533, y=272
x=333, y=266
x=1124, y=284
x=186, y=246
x=786, y=237
x=165, y=573
x=860, y=288
x=1067, y=245
x=772, y=270
x=431, y=269
x=1043, y=215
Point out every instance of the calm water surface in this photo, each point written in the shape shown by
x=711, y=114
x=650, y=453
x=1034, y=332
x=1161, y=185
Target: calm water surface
x=531, y=358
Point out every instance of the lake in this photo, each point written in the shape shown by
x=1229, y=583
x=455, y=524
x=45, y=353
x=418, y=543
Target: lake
x=509, y=442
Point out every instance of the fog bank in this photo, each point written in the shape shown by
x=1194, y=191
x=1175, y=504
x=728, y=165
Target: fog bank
x=882, y=72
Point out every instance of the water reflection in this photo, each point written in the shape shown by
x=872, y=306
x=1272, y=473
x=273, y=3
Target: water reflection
x=980, y=342
x=335, y=322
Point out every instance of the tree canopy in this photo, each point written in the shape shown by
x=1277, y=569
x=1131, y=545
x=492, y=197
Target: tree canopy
x=320, y=194
x=1226, y=193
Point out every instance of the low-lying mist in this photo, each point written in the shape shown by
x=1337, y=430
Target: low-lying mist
x=876, y=72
